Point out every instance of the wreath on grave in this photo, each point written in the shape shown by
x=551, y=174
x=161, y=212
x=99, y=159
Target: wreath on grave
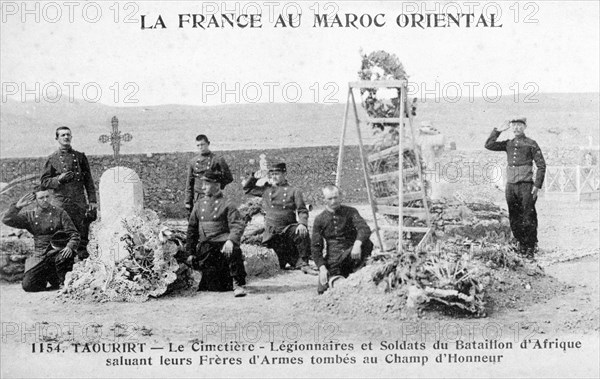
x=381, y=102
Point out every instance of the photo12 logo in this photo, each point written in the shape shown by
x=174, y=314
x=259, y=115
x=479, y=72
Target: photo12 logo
x=490, y=92
x=69, y=11
x=54, y=92
x=269, y=92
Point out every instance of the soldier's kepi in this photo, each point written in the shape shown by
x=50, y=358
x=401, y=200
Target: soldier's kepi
x=68, y=173
x=521, y=187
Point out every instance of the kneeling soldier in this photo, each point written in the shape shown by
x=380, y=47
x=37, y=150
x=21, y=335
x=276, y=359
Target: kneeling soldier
x=347, y=236
x=55, y=238
x=213, y=239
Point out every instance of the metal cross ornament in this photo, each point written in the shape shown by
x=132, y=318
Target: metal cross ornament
x=115, y=138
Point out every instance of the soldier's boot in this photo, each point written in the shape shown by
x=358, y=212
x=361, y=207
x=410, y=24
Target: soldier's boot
x=530, y=253
x=239, y=290
x=321, y=288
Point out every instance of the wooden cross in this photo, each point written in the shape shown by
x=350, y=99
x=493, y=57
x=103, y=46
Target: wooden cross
x=115, y=138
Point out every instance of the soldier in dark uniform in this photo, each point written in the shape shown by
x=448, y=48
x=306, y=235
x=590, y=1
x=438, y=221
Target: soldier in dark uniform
x=215, y=229
x=282, y=203
x=346, y=235
x=67, y=172
x=52, y=258
x=521, y=187
x=205, y=160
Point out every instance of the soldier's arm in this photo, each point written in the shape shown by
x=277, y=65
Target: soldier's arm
x=250, y=188
x=301, y=209
x=316, y=242
x=14, y=219
x=363, y=232
x=189, y=186
x=88, y=181
x=49, y=176
x=69, y=228
x=236, y=224
x=227, y=177
x=492, y=142
x=540, y=163
x=192, y=233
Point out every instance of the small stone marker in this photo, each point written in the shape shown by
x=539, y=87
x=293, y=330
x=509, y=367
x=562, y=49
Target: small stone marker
x=121, y=195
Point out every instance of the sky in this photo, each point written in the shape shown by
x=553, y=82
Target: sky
x=98, y=51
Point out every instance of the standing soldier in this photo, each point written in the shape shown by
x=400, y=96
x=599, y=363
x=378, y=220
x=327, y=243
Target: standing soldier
x=214, y=232
x=54, y=236
x=67, y=172
x=521, y=188
x=282, y=204
x=204, y=161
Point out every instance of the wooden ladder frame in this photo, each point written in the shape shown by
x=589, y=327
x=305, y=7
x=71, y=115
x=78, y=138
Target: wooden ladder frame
x=420, y=195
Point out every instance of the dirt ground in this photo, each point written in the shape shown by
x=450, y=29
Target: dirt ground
x=286, y=307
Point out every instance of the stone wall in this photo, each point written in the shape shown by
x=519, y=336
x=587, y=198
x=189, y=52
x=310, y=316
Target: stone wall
x=164, y=175
x=309, y=168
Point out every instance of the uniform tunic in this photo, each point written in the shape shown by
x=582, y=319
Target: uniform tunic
x=284, y=209
x=71, y=195
x=82, y=183
x=521, y=152
x=213, y=221
x=197, y=166
x=42, y=224
x=339, y=229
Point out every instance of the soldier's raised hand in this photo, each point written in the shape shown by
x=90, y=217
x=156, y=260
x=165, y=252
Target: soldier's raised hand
x=504, y=126
x=25, y=200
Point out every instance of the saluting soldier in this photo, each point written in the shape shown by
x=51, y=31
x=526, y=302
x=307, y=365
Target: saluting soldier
x=68, y=173
x=204, y=161
x=286, y=218
x=521, y=187
x=215, y=229
x=48, y=263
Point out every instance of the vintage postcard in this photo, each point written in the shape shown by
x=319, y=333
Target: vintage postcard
x=300, y=189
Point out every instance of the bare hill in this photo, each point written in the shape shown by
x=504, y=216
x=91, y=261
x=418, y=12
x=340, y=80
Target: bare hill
x=27, y=128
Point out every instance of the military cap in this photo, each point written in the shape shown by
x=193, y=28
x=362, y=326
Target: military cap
x=522, y=120
x=60, y=240
x=281, y=167
x=211, y=176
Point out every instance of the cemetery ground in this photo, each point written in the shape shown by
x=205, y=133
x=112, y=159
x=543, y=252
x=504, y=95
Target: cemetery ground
x=286, y=306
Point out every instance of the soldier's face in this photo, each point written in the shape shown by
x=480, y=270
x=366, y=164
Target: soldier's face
x=210, y=188
x=43, y=199
x=518, y=128
x=202, y=146
x=333, y=199
x=276, y=177
x=64, y=137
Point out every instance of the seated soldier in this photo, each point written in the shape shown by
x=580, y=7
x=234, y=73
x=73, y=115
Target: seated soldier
x=347, y=236
x=213, y=239
x=282, y=203
x=55, y=238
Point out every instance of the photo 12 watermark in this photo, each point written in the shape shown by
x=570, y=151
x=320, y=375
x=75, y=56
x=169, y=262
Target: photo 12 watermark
x=71, y=92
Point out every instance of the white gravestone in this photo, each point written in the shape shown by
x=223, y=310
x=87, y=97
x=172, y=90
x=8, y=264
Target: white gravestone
x=121, y=195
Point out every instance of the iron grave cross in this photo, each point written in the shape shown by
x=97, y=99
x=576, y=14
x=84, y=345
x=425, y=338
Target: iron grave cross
x=115, y=138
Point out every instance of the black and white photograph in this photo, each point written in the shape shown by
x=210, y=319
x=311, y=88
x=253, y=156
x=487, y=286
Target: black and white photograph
x=267, y=189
